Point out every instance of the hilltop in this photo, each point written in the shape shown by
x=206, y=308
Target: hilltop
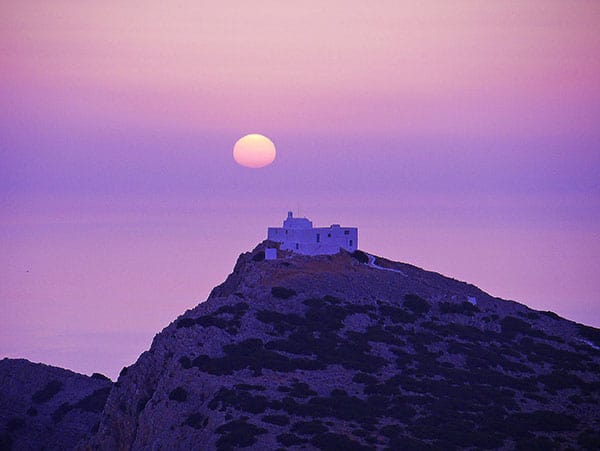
x=353, y=351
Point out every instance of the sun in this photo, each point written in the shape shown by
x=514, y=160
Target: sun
x=254, y=151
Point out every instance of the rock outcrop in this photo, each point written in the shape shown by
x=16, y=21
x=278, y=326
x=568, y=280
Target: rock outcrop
x=44, y=407
x=356, y=352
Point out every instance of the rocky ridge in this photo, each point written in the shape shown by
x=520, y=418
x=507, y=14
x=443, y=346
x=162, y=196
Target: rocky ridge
x=357, y=352
x=44, y=407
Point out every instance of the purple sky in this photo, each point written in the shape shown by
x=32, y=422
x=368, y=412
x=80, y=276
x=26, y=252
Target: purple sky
x=461, y=137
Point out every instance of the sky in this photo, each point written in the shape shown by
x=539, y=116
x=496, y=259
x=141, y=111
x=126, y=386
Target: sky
x=458, y=136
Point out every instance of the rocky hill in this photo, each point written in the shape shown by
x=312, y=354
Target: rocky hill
x=357, y=352
x=43, y=407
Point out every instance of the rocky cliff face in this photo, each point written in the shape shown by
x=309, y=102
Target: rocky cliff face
x=357, y=352
x=43, y=407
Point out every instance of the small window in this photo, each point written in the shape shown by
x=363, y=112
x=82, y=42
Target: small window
x=318, y=237
x=297, y=246
x=350, y=243
x=329, y=235
x=346, y=232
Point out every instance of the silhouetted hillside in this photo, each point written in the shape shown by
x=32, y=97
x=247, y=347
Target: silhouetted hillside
x=43, y=407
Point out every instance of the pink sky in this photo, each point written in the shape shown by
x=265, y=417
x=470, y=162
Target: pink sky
x=459, y=136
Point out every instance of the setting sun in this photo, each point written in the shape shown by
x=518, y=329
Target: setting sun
x=254, y=151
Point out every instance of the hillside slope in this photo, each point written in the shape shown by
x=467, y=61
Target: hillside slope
x=357, y=352
x=44, y=407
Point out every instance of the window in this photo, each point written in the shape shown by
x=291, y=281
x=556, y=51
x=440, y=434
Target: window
x=297, y=246
x=350, y=243
x=346, y=232
x=318, y=237
x=329, y=235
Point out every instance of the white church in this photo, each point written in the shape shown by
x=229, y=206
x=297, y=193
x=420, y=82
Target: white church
x=298, y=235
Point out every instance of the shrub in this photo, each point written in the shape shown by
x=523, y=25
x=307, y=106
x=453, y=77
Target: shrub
x=279, y=420
x=15, y=423
x=360, y=256
x=290, y=439
x=48, y=392
x=100, y=377
x=282, y=292
x=32, y=412
x=179, y=394
x=259, y=256
x=416, y=304
x=249, y=387
x=309, y=428
x=94, y=402
x=185, y=362
x=464, y=308
x=62, y=410
x=196, y=421
x=240, y=400
x=6, y=441
x=510, y=325
x=238, y=433
x=335, y=442
x=589, y=440
x=396, y=314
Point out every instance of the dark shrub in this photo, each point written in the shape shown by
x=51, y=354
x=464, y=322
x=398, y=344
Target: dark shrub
x=48, y=392
x=196, y=421
x=179, y=394
x=536, y=444
x=32, y=411
x=249, y=387
x=301, y=390
x=94, y=402
x=101, y=377
x=510, y=324
x=589, y=440
x=6, y=442
x=464, y=308
x=363, y=378
x=309, y=428
x=123, y=371
x=397, y=314
x=238, y=433
x=335, y=442
x=282, y=292
x=259, y=256
x=290, y=439
x=416, y=304
x=15, y=423
x=279, y=420
x=237, y=310
x=185, y=362
x=540, y=420
x=240, y=400
x=62, y=410
x=360, y=256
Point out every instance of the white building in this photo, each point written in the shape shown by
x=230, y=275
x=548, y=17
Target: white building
x=299, y=235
